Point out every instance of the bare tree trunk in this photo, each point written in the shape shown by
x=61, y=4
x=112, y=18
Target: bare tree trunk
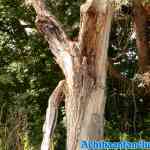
x=84, y=64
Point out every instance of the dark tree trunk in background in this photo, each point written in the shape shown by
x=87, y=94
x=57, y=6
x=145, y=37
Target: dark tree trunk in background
x=142, y=27
x=141, y=16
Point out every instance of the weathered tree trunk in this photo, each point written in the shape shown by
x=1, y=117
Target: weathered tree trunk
x=84, y=65
x=85, y=102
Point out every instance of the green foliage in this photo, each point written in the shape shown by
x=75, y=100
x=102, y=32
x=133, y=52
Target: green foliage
x=28, y=74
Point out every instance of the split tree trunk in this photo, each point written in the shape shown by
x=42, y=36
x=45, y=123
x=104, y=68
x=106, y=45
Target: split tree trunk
x=84, y=64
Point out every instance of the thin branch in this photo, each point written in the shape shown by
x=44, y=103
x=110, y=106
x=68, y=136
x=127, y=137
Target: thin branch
x=51, y=115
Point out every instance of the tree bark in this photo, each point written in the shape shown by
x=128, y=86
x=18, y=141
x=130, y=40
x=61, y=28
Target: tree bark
x=84, y=65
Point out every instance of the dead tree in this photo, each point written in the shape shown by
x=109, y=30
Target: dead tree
x=84, y=64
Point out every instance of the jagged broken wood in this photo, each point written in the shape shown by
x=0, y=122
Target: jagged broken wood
x=51, y=115
x=84, y=64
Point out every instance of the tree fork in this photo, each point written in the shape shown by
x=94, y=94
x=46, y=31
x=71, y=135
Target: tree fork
x=84, y=65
